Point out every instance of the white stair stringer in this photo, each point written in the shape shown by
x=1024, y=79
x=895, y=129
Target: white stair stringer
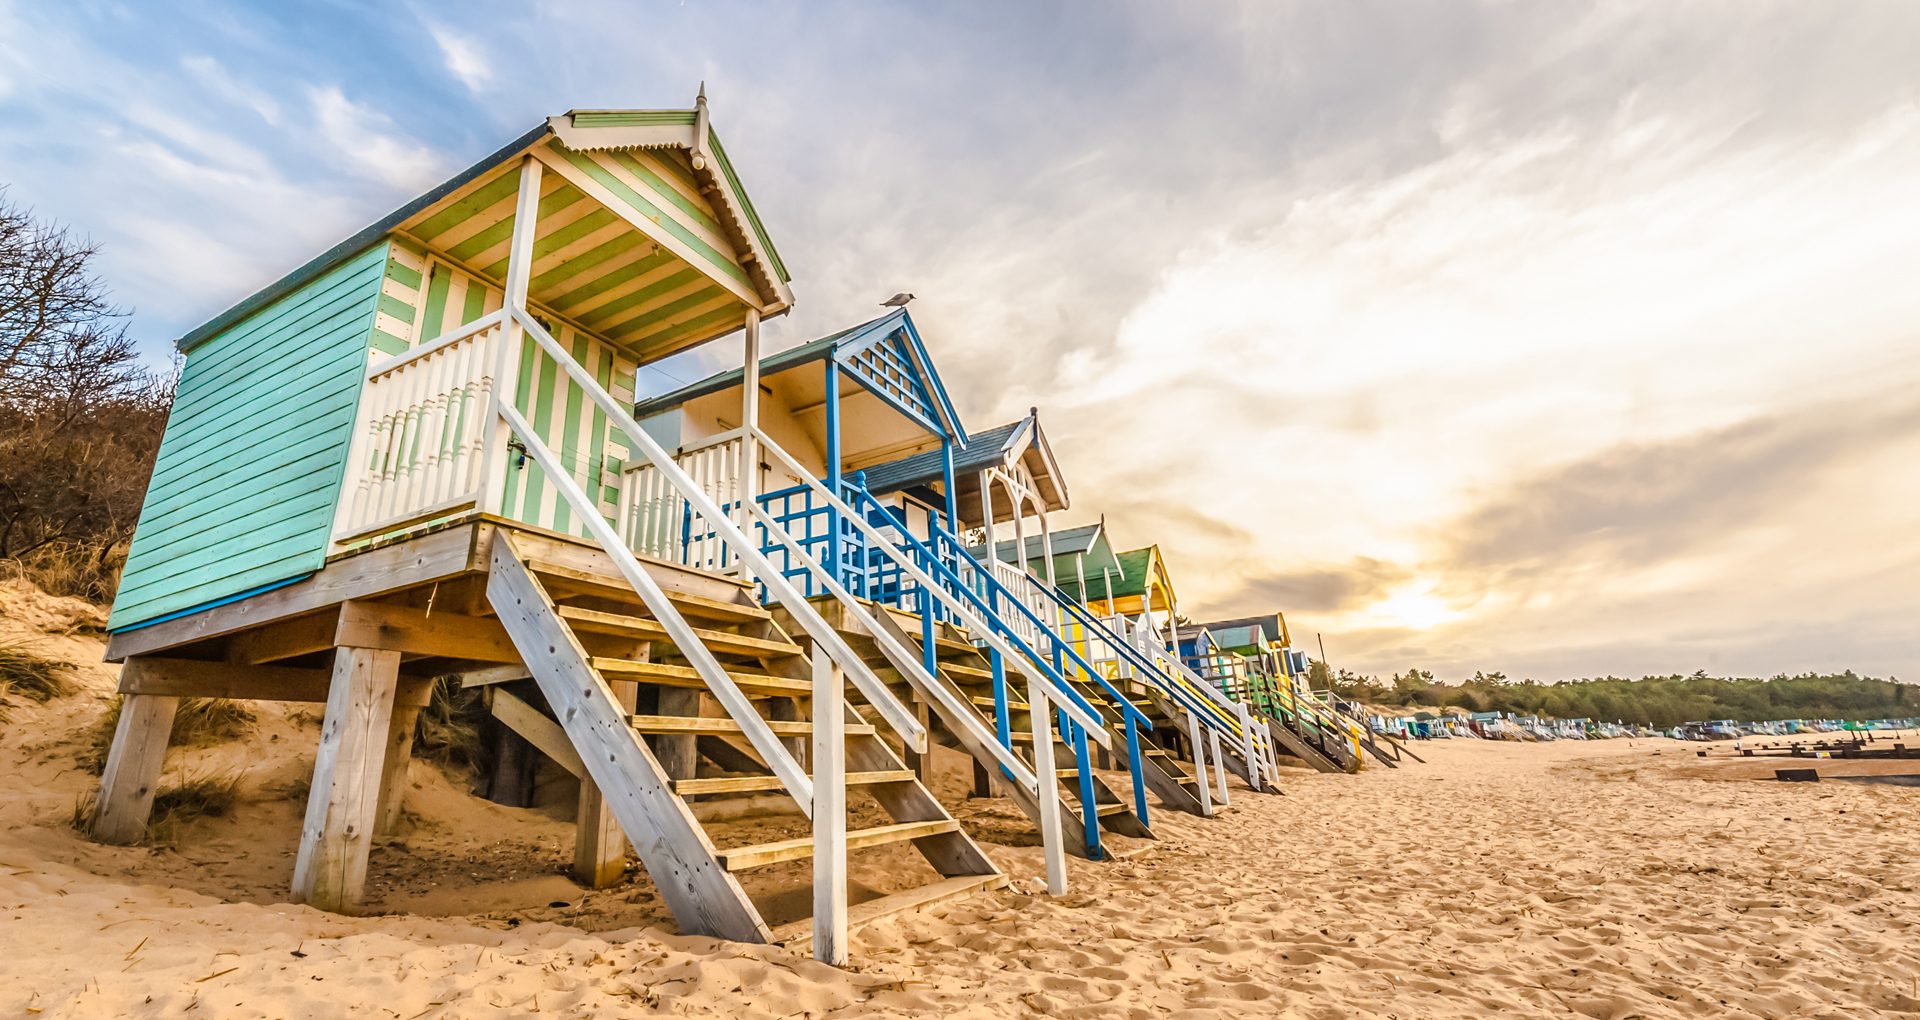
x=704, y=897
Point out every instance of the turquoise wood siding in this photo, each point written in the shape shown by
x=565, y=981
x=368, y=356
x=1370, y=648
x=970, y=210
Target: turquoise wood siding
x=249, y=473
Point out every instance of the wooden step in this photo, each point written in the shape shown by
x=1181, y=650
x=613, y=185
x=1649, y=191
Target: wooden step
x=967, y=671
x=741, y=858
x=1153, y=752
x=669, y=675
x=586, y=583
x=748, y=784
x=594, y=621
x=727, y=727
x=798, y=936
x=1103, y=810
x=1073, y=773
x=1012, y=706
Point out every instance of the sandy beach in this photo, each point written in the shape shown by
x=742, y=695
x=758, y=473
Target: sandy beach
x=1605, y=879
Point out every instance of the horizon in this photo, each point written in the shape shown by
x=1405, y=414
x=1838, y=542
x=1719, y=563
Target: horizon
x=1558, y=340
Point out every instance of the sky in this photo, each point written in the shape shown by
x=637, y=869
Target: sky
x=1559, y=339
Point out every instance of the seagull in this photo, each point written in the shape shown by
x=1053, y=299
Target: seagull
x=897, y=301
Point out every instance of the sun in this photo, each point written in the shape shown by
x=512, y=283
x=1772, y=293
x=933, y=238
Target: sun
x=1414, y=609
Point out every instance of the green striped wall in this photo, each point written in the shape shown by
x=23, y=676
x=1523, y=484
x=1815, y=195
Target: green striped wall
x=249, y=473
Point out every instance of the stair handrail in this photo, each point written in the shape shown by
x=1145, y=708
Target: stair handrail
x=1065, y=698
x=1155, y=674
x=897, y=715
x=752, y=726
x=901, y=658
x=1045, y=589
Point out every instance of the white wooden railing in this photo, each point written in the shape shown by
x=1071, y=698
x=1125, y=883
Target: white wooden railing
x=417, y=450
x=656, y=520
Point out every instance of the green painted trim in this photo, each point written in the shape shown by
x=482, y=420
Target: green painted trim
x=438, y=287
x=397, y=308
x=486, y=197
x=476, y=305
x=746, y=205
x=634, y=118
x=547, y=244
x=615, y=278
x=691, y=327
x=588, y=166
x=650, y=292
x=408, y=276
x=667, y=191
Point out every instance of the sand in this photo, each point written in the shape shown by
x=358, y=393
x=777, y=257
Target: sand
x=1601, y=879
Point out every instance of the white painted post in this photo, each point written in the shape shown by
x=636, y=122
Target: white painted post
x=506, y=363
x=749, y=486
x=1041, y=712
x=1199, y=764
x=986, y=513
x=829, y=810
x=1256, y=750
x=1219, y=765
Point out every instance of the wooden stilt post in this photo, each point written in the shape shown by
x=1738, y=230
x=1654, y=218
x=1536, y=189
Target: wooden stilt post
x=1043, y=770
x=922, y=764
x=678, y=754
x=133, y=765
x=342, y=807
x=399, y=755
x=599, y=845
x=829, y=811
x=1199, y=765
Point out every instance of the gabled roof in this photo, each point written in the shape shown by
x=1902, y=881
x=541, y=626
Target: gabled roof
x=1249, y=630
x=646, y=236
x=885, y=355
x=1022, y=440
x=1141, y=566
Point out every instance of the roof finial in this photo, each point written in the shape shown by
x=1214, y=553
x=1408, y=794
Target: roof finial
x=699, y=152
x=1033, y=412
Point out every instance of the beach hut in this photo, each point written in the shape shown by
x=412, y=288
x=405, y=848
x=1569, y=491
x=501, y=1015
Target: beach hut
x=412, y=457
x=865, y=414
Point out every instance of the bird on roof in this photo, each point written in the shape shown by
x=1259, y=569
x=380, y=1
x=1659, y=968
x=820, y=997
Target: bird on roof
x=897, y=301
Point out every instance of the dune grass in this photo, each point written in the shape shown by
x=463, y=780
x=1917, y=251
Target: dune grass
x=191, y=797
x=448, y=731
x=35, y=677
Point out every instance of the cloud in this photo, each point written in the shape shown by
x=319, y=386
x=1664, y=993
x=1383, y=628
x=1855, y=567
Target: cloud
x=216, y=79
x=360, y=135
x=463, y=56
x=1324, y=589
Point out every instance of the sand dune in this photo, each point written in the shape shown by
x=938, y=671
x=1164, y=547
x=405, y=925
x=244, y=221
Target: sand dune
x=1599, y=879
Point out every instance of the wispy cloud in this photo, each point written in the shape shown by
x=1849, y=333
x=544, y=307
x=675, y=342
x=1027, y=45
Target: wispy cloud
x=463, y=56
x=368, y=144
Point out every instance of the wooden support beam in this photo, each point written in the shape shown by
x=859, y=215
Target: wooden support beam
x=543, y=733
x=413, y=631
x=342, y=808
x=191, y=678
x=829, y=811
x=399, y=755
x=408, y=564
x=599, y=847
x=922, y=764
x=133, y=765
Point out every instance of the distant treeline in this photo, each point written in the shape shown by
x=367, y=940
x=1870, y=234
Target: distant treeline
x=1661, y=701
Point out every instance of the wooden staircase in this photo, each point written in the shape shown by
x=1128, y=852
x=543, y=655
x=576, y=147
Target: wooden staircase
x=629, y=717
x=968, y=672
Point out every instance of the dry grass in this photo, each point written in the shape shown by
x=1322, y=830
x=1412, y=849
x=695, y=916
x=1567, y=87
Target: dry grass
x=80, y=569
x=34, y=677
x=193, y=796
x=93, y=754
x=211, y=720
x=448, y=730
